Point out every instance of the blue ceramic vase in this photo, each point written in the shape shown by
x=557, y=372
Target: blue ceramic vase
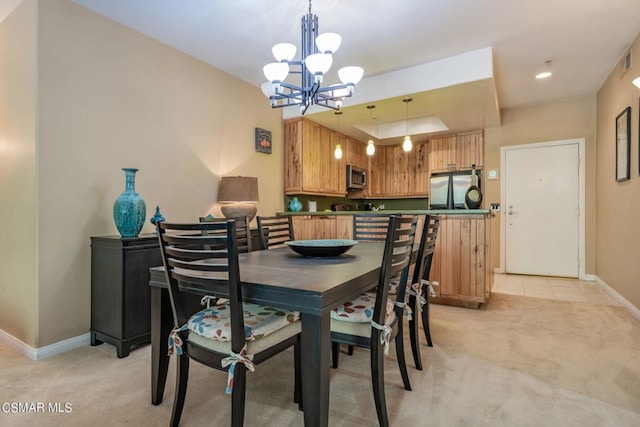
x=295, y=205
x=129, y=210
x=157, y=217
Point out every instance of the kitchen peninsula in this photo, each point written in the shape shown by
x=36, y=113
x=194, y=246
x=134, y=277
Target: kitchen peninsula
x=462, y=261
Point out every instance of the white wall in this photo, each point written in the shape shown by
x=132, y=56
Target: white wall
x=18, y=228
x=110, y=97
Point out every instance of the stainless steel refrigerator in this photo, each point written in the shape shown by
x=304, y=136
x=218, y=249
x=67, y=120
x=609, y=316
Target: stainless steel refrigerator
x=447, y=189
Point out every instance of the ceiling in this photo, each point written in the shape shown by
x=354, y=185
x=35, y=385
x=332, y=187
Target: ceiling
x=585, y=39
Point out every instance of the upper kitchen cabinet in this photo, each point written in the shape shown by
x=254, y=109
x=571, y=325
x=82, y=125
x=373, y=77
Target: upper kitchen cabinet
x=310, y=165
x=356, y=153
x=456, y=152
x=396, y=173
x=470, y=150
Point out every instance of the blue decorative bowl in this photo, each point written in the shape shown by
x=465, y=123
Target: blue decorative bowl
x=321, y=248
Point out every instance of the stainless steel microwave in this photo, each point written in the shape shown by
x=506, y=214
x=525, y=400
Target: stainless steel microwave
x=356, y=178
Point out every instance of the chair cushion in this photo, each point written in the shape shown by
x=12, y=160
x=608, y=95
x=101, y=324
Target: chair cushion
x=359, y=310
x=361, y=329
x=215, y=322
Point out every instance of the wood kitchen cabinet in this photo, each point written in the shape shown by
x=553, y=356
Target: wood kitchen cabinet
x=356, y=153
x=456, y=152
x=344, y=227
x=462, y=260
x=396, y=173
x=310, y=165
x=470, y=150
x=307, y=227
x=442, y=153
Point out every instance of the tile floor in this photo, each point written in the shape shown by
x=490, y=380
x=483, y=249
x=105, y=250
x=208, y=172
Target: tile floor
x=551, y=288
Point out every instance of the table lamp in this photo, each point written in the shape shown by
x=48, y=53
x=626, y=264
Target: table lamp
x=238, y=196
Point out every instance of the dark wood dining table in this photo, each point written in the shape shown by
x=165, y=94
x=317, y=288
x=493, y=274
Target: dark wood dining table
x=282, y=278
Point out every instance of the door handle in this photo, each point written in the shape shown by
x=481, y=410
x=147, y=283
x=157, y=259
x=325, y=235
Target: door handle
x=511, y=212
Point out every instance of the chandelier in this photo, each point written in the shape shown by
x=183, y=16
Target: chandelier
x=316, y=58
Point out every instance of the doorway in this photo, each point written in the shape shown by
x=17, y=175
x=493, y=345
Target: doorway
x=542, y=193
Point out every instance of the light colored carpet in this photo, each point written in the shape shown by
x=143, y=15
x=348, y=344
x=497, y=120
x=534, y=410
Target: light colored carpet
x=516, y=362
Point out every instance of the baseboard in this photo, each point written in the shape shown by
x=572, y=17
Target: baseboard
x=46, y=351
x=498, y=270
x=588, y=277
x=635, y=312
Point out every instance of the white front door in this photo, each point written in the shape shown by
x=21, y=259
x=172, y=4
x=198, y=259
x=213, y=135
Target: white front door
x=541, y=209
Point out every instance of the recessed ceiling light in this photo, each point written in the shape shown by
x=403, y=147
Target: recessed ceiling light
x=546, y=73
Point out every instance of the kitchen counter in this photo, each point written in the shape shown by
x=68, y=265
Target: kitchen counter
x=462, y=261
x=391, y=212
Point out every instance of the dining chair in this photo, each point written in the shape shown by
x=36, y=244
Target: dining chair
x=273, y=231
x=236, y=336
x=370, y=228
x=243, y=233
x=372, y=320
x=419, y=288
x=366, y=228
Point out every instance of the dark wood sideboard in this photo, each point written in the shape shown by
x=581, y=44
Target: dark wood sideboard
x=120, y=296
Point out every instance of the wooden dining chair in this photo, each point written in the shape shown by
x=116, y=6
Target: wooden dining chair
x=243, y=233
x=372, y=320
x=419, y=288
x=203, y=258
x=273, y=231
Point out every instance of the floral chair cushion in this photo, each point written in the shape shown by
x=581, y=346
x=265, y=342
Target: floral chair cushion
x=215, y=322
x=359, y=310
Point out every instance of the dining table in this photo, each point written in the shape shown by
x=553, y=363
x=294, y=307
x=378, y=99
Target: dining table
x=281, y=278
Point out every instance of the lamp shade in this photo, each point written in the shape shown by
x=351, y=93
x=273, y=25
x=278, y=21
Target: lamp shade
x=371, y=148
x=238, y=195
x=636, y=82
x=276, y=71
x=350, y=74
x=328, y=42
x=238, y=189
x=284, y=51
x=318, y=63
x=407, y=145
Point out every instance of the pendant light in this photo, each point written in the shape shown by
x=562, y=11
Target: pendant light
x=338, y=151
x=407, y=145
x=371, y=148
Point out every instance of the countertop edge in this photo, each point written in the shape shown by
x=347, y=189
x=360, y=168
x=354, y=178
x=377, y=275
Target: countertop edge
x=393, y=211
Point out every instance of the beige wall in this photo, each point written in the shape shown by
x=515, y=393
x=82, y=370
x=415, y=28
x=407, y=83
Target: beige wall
x=109, y=98
x=618, y=205
x=549, y=121
x=18, y=233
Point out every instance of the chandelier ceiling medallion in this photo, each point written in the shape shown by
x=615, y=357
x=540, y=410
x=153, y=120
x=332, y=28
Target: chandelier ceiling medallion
x=316, y=58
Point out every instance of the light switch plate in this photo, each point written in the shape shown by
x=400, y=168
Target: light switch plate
x=492, y=174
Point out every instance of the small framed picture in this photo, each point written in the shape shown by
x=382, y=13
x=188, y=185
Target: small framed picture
x=263, y=141
x=623, y=145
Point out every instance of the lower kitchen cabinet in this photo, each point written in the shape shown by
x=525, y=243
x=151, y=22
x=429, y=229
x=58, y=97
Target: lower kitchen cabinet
x=462, y=262
x=309, y=227
x=120, y=297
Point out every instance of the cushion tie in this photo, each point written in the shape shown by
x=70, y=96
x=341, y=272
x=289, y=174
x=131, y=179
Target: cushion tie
x=405, y=308
x=175, y=342
x=233, y=359
x=431, y=284
x=385, y=336
x=416, y=291
x=207, y=300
